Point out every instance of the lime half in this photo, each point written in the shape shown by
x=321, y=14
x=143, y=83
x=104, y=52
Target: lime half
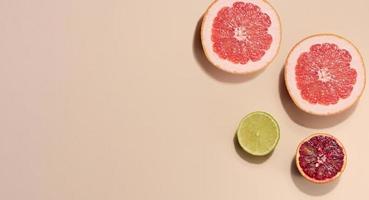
x=258, y=133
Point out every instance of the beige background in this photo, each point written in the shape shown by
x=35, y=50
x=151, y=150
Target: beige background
x=112, y=99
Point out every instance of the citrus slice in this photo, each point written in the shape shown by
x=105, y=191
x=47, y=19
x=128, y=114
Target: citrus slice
x=321, y=158
x=325, y=74
x=240, y=36
x=258, y=133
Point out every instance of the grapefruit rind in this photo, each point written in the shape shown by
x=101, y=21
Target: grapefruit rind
x=356, y=63
x=315, y=180
x=228, y=66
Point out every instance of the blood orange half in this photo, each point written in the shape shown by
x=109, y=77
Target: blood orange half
x=240, y=36
x=321, y=158
x=324, y=74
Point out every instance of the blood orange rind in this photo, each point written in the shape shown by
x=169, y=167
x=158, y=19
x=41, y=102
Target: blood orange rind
x=307, y=176
x=357, y=63
x=229, y=66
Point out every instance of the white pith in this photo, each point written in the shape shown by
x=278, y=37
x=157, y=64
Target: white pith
x=240, y=33
x=324, y=75
x=274, y=31
x=356, y=64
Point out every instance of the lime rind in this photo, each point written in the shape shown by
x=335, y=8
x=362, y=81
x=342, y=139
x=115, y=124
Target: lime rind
x=260, y=122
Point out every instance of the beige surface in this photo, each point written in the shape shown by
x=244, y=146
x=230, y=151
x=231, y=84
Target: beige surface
x=109, y=99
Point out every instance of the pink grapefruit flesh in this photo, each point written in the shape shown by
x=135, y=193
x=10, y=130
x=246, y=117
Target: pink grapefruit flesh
x=324, y=74
x=240, y=36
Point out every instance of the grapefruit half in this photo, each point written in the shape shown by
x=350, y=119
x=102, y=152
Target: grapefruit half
x=321, y=158
x=240, y=36
x=324, y=74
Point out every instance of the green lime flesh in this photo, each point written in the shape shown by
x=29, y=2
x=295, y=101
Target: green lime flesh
x=258, y=133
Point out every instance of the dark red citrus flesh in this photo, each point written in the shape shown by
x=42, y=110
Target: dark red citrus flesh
x=240, y=33
x=324, y=75
x=321, y=157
